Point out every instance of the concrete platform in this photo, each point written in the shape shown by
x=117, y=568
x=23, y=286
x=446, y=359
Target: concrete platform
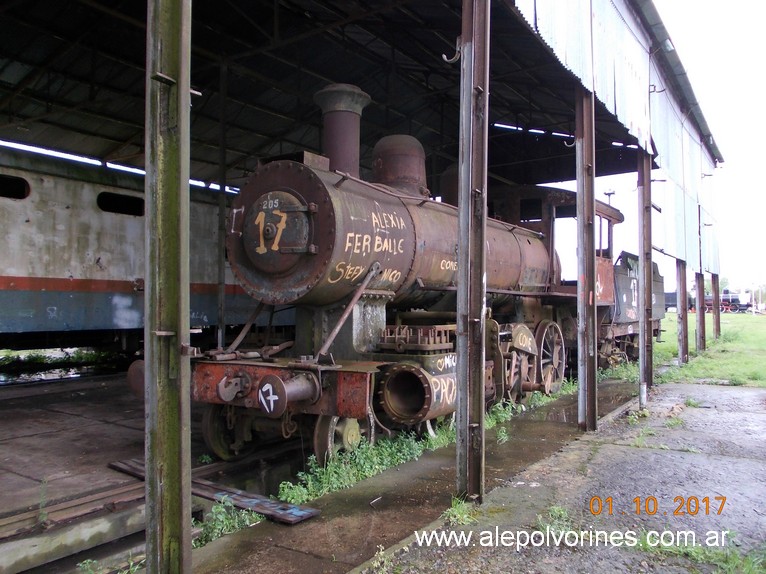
x=59, y=446
x=716, y=450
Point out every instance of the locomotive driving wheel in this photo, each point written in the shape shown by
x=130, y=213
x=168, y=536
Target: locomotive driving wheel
x=432, y=426
x=551, y=355
x=522, y=372
x=226, y=432
x=333, y=434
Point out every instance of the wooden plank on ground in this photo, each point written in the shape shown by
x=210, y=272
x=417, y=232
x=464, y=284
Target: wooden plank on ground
x=274, y=509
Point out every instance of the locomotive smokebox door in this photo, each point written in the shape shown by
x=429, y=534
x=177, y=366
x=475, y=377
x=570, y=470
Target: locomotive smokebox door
x=276, y=232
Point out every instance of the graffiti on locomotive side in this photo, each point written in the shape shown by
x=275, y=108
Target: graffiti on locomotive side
x=378, y=241
x=391, y=275
x=354, y=272
x=345, y=271
x=445, y=390
x=448, y=265
x=364, y=243
x=448, y=362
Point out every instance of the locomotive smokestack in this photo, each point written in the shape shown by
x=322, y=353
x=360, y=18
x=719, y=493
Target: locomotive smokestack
x=342, y=106
x=399, y=161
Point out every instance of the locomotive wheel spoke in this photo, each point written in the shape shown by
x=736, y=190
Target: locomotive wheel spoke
x=552, y=355
x=522, y=372
x=221, y=439
x=333, y=434
x=433, y=425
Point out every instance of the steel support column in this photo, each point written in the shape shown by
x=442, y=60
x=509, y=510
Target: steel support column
x=472, y=213
x=587, y=414
x=166, y=332
x=645, y=367
x=715, y=288
x=682, y=309
x=223, y=94
x=699, y=340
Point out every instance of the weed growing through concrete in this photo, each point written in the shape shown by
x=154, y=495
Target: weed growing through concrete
x=556, y=520
x=674, y=422
x=640, y=441
x=460, y=513
x=224, y=518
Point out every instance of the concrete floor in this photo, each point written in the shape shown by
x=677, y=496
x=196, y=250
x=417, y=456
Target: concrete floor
x=60, y=446
x=718, y=449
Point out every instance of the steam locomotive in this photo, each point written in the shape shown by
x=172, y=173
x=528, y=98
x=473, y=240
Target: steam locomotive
x=369, y=269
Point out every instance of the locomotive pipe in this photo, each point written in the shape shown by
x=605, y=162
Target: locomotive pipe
x=342, y=106
x=274, y=394
x=410, y=394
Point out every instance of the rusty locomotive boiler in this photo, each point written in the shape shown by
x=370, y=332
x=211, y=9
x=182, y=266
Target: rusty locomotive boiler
x=369, y=269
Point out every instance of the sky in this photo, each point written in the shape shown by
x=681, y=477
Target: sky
x=722, y=47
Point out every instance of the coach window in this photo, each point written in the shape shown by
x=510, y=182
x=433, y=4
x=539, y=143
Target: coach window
x=118, y=203
x=13, y=187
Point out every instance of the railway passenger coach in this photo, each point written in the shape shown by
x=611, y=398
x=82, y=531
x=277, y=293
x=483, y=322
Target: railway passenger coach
x=72, y=266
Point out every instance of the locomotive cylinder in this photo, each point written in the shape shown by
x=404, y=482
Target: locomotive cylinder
x=410, y=394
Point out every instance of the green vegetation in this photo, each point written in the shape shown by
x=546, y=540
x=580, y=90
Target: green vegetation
x=224, y=518
x=557, y=519
x=674, y=422
x=91, y=566
x=726, y=560
x=460, y=513
x=690, y=402
x=738, y=357
x=347, y=468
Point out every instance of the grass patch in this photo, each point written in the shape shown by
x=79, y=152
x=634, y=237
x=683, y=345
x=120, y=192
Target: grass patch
x=674, y=422
x=738, y=356
x=690, y=402
x=557, y=519
x=726, y=560
x=460, y=513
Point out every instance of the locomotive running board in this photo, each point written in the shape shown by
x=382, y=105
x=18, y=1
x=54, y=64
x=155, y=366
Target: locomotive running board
x=276, y=510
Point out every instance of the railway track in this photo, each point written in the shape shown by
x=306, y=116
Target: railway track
x=40, y=536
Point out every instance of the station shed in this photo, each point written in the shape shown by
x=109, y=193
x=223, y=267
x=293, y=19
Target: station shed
x=568, y=91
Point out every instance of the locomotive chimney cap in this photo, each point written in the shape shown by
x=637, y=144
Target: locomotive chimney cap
x=342, y=98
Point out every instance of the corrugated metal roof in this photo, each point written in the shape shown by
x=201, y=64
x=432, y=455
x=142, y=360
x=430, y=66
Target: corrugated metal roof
x=72, y=78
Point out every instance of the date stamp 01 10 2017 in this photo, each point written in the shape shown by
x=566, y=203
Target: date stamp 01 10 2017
x=682, y=506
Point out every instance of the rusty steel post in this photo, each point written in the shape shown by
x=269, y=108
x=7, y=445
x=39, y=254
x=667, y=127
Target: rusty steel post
x=714, y=287
x=587, y=414
x=472, y=220
x=645, y=367
x=166, y=331
x=682, y=309
x=223, y=94
x=699, y=280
